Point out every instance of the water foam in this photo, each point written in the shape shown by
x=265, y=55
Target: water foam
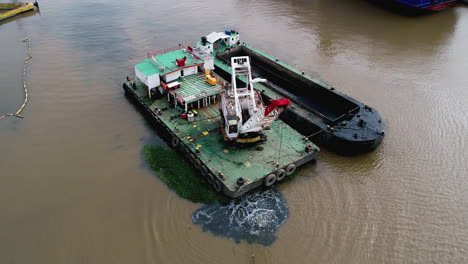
x=254, y=217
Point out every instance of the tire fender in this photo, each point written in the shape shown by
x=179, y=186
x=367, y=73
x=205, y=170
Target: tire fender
x=197, y=163
x=175, y=141
x=270, y=179
x=192, y=159
x=217, y=186
x=204, y=171
x=210, y=178
x=290, y=169
x=280, y=174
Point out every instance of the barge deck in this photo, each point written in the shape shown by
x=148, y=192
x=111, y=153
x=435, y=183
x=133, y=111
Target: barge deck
x=219, y=163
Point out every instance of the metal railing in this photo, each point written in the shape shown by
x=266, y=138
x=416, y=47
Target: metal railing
x=156, y=53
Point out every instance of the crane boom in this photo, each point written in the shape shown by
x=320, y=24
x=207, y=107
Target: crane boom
x=265, y=116
x=242, y=106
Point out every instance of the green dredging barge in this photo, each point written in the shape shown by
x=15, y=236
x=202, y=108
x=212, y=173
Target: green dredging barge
x=185, y=100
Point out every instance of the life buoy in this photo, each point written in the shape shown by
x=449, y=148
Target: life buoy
x=270, y=179
x=290, y=169
x=217, y=186
x=280, y=174
x=175, y=141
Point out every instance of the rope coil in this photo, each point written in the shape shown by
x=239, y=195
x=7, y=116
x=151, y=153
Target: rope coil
x=26, y=96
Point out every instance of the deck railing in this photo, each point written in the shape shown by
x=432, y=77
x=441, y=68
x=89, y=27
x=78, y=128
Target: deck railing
x=156, y=53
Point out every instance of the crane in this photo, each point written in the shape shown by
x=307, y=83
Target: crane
x=244, y=115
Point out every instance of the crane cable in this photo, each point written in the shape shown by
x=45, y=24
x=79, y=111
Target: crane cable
x=280, y=143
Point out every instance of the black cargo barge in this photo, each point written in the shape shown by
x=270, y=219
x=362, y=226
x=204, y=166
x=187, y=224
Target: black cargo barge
x=328, y=117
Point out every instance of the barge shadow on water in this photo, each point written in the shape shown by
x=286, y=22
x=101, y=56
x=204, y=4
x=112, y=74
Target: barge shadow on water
x=332, y=119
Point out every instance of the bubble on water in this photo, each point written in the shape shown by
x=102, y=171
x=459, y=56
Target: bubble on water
x=254, y=218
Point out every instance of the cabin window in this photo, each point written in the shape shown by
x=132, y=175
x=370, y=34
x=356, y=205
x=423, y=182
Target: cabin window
x=232, y=129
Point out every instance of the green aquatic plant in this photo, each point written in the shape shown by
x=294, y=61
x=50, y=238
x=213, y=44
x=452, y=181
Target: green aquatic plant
x=171, y=168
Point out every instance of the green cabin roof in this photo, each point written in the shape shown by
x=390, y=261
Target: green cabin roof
x=166, y=61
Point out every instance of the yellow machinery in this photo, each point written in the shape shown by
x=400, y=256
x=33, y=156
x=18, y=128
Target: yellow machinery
x=16, y=9
x=210, y=79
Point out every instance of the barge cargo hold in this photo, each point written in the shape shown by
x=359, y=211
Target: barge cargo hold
x=332, y=119
x=184, y=103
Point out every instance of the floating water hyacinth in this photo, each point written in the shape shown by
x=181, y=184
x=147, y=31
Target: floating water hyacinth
x=181, y=178
x=254, y=218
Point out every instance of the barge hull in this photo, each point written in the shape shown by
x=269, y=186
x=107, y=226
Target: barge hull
x=408, y=8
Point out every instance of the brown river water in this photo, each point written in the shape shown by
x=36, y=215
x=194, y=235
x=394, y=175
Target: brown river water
x=74, y=187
